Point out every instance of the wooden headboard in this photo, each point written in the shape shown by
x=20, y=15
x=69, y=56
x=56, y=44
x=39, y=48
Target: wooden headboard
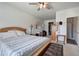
x=6, y=29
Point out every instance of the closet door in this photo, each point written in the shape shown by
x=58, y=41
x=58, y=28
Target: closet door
x=70, y=28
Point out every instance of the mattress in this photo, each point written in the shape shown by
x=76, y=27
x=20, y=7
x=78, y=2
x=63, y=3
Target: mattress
x=21, y=46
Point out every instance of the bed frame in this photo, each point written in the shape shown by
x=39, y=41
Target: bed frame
x=37, y=51
x=6, y=29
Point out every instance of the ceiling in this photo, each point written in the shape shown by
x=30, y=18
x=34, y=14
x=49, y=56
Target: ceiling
x=44, y=14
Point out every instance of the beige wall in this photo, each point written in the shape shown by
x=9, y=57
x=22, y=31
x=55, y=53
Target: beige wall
x=10, y=16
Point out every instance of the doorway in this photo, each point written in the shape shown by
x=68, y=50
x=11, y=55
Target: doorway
x=71, y=30
x=50, y=27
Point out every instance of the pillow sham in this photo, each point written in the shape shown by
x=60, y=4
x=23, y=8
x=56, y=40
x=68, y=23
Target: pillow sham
x=8, y=34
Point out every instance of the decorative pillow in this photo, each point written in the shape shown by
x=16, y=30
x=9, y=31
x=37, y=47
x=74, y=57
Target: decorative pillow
x=0, y=36
x=20, y=33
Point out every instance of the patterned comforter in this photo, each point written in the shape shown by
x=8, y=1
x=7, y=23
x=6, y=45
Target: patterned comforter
x=18, y=46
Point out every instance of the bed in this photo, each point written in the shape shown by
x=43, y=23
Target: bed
x=23, y=45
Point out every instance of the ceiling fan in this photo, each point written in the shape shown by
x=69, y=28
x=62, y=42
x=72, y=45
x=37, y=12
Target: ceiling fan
x=41, y=5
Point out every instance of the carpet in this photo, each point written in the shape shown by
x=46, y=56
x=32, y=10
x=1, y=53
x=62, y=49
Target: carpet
x=54, y=50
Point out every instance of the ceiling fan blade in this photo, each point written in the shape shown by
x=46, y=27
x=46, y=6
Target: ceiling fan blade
x=49, y=6
x=33, y=3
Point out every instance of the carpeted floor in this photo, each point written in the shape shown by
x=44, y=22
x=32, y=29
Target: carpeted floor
x=53, y=50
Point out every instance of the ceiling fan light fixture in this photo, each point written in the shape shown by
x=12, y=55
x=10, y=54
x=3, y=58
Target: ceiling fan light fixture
x=41, y=5
x=44, y=6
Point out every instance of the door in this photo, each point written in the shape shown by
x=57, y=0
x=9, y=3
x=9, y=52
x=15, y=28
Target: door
x=69, y=29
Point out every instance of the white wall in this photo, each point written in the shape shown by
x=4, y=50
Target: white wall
x=10, y=16
x=46, y=24
x=63, y=15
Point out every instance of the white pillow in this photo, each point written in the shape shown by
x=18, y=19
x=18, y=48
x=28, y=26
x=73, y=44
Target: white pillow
x=8, y=34
x=0, y=36
x=20, y=33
